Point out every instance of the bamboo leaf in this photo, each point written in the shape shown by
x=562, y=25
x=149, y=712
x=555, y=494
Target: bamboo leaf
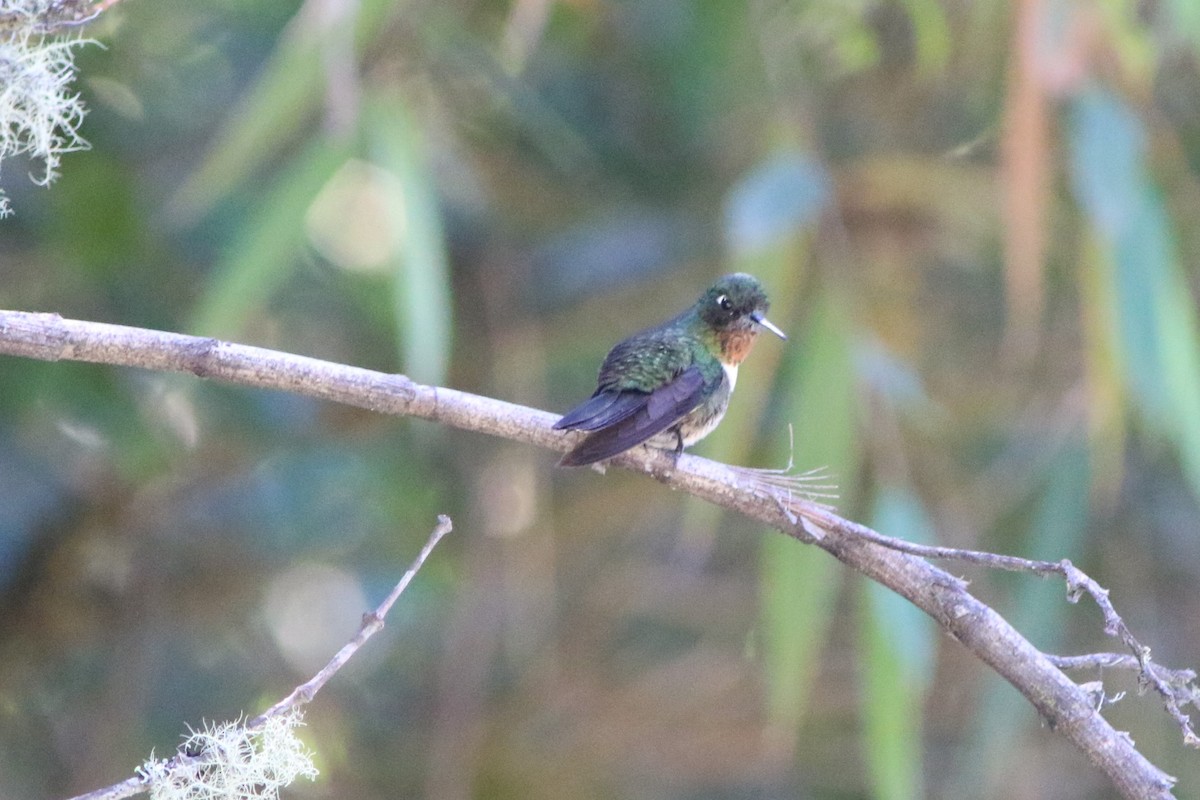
x=799, y=583
x=1158, y=331
x=277, y=108
x=773, y=202
x=931, y=30
x=1057, y=531
x=262, y=255
x=421, y=272
x=897, y=644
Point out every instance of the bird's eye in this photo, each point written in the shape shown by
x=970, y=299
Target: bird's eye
x=723, y=302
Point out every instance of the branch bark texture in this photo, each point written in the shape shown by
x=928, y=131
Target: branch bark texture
x=1066, y=706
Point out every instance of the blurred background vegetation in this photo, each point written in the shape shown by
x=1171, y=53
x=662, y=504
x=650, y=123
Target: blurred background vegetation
x=972, y=218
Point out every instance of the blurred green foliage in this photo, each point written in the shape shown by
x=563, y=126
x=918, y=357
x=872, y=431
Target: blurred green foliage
x=983, y=260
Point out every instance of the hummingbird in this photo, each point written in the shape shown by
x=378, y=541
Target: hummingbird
x=670, y=385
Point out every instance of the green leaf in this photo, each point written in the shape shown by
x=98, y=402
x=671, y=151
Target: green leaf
x=278, y=107
x=1158, y=332
x=1180, y=339
x=909, y=631
x=892, y=713
x=1186, y=15
x=1142, y=256
x=1108, y=168
x=799, y=583
x=1039, y=611
x=898, y=645
x=931, y=31
x=776, y=200
x=262, y=255
x=422, y=275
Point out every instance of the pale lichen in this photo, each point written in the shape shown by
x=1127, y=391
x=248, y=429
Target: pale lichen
x=229, y=761
x=40, y=113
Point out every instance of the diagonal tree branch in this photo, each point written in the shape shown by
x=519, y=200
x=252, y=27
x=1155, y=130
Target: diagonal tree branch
x=1067, y=707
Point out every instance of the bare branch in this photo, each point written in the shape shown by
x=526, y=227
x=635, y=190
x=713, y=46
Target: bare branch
x=1067, y=707
x=371, y=624
x=53, y=17
x=1122, y=661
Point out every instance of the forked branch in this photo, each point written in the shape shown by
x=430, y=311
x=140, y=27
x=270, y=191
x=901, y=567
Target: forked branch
x=1068, y=707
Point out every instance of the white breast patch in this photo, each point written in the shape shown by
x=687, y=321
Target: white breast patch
x=731, y=374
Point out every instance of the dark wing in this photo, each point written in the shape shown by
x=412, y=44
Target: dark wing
x=601, y=410
x=631, y=417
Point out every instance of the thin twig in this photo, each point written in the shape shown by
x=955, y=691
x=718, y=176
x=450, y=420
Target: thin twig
x=371, y=624
x=73, y=13
x=54, y=17
x=1122, y=661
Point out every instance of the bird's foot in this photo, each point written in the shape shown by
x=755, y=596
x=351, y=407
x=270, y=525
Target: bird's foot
x=662, y=469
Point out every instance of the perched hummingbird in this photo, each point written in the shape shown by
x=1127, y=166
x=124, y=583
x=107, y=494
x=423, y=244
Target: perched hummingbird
x=670, y=385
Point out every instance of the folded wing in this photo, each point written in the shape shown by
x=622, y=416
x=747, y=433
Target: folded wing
x=602, y=409
x=620, y=419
